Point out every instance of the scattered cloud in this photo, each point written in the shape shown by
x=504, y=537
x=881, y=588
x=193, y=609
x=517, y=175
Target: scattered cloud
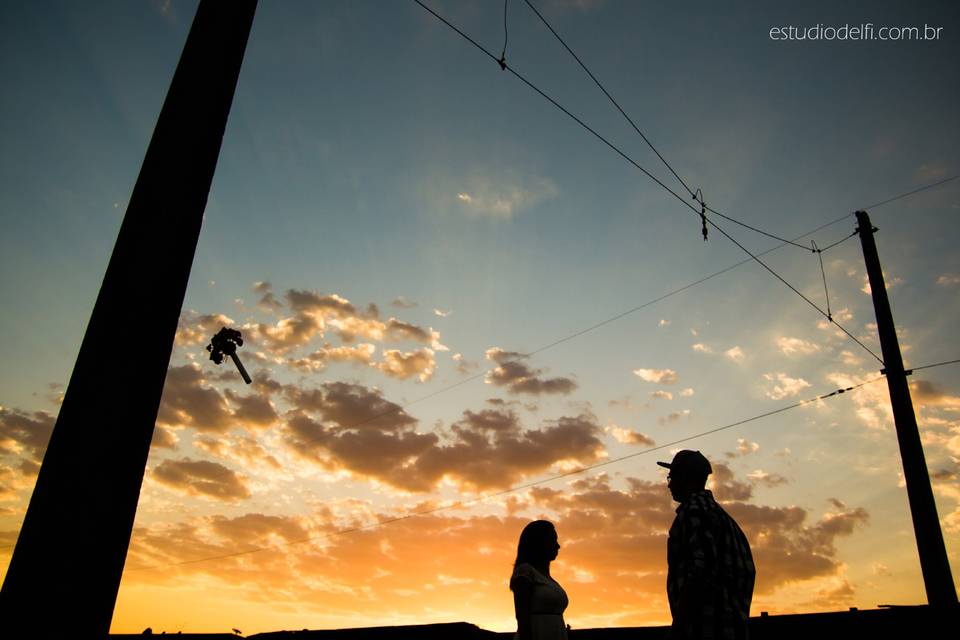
x=784, y=386
x=744, y=447
x=442, y=314
x=888, y=282
x=791, y=346
x=630, y=436
x=662, y=395
x=188, y=401
x=663, y=323
x=699, y=347
x=403, y=365
x=403, y=303
x=202, y=478
x=736, y=354
x=464, y=366
x=484, y=198
x=517, y=377
x=674, y=416
x=658, y=376
x=760, y=476
x=485, y=450
x=686, y=393
x=948, y=280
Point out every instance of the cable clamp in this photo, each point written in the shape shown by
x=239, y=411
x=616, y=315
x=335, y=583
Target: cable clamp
x=698, y=196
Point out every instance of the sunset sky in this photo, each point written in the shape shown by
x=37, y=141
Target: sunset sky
x=395, y=223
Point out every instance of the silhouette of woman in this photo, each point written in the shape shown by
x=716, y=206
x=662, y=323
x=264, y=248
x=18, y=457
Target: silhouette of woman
x=538, y=599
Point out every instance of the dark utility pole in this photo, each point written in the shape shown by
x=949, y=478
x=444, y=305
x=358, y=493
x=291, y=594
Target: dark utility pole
x=66, y=568
x=926, y=524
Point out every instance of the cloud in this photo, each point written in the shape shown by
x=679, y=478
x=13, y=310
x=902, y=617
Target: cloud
x=736, y=354
x=662, y=395
x=686, y=393
x=286, y=333
x=188, y=402
x=784, y=386
x=790, y=346
x=889, y=283
x=319, y=359
x=517, y=377
x=484, y=450
x=659, y=376
x=350, y=406
x=163, y=438
x=504, y=200
x=253, y=411
x=399, y=331
x=948, y=280
x=629, y=436
x=442, y=314
x=402, y=303
x=464, y=366
x=674, y=416
x=744, y=447
x=196, y=329
x=25, y=434
x=241, y=449
x=759, y=476
x=202, y=478
x=928, y=393
x=398, y=364
x=663, y=323
x=267, y=302
x=332, y=305
x=699, y=347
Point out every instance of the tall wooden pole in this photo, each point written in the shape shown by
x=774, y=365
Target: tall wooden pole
x=66, y=567
x=926, y=524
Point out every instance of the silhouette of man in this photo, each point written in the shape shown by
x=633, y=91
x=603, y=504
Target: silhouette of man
x=710, y=571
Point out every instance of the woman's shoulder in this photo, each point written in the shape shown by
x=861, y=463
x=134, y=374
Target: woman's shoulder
x=525, y=573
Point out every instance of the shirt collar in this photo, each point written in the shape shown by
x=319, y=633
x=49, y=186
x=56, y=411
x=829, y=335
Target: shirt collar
x=704, y=495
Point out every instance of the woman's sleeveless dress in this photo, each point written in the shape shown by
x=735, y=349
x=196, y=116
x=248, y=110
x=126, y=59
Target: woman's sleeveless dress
x=548, y=601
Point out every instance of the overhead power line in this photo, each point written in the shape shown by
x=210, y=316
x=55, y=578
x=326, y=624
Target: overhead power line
x=610, y=97
x=621, y=153
x=909, y=193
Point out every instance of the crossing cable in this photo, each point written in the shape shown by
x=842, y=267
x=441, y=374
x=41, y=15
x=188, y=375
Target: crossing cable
x=826, y=315
x=610, y=97
x=910, y=193
x=695, y=195
x=503, y=54
x=483, y=498
x=630, y=160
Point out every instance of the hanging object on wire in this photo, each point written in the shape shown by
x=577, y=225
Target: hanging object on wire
x=698, y=196
x=225, y=343
x=823, y=273
x=503, y=54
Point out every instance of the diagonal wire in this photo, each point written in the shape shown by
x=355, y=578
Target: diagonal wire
x=610, y=97
x=647, y=173
x=795, y=290
x=514, y=489
x=841, y=241
x=910, y=193
x=751, y=228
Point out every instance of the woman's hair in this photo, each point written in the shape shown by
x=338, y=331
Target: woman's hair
x=534, y=539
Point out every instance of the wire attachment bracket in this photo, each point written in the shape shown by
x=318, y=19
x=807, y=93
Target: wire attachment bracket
x=815, y=249
x=698, y=196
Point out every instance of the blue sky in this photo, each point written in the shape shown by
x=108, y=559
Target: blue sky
x=373, y=154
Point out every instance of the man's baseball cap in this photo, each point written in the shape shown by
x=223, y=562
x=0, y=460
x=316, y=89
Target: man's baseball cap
x=689, y=462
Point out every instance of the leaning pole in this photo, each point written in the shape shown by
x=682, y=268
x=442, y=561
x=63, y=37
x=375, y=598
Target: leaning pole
x=65, y=571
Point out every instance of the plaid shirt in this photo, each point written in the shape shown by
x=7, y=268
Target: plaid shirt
x=710, y=572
